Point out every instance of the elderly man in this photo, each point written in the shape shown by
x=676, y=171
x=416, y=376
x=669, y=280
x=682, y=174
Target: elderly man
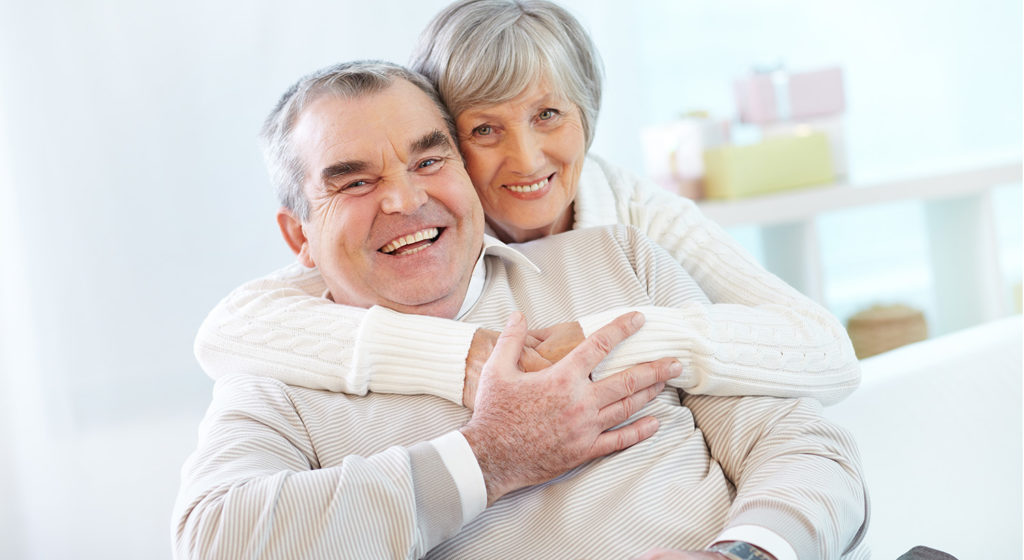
x=531, y=472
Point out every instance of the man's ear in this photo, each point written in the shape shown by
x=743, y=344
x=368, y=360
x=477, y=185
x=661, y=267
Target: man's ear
x=294, y=236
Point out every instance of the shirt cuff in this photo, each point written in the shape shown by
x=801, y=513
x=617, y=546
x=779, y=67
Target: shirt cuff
x=766, y=539
x=461, y=463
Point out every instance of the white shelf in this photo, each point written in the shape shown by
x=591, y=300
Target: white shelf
x=806, y=203
x=967, y=275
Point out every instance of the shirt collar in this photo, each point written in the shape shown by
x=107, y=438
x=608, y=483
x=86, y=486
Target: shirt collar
x=492, y=246
x=498, y=249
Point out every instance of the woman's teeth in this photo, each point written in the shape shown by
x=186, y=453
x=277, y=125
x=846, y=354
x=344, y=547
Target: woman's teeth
x=397, y=244
x=528, y=188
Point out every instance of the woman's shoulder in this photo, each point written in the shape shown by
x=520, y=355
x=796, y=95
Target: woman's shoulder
x=627, y=186
x=605, y=186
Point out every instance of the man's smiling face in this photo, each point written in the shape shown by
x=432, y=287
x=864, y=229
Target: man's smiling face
x=394, y=219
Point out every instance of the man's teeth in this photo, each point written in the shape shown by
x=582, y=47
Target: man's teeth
x=528, y=188
x=397, y=244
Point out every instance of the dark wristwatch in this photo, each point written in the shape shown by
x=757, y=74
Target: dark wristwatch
x=739, y=550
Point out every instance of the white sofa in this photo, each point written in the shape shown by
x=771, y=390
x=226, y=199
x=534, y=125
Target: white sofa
x=939, y=428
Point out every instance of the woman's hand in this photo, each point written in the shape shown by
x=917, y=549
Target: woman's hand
x=554, y=342
x=543, y=347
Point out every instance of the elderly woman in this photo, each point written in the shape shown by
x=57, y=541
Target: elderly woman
x=523, y=81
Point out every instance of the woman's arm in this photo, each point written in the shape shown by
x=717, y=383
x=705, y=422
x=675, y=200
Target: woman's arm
x=281, y=326
x=760, y=336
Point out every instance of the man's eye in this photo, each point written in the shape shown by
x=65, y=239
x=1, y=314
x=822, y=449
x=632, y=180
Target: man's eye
x=483, y=130
x=430, y=162
x=356, y=187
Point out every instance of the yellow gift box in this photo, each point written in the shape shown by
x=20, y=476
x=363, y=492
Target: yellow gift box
x=774, y=164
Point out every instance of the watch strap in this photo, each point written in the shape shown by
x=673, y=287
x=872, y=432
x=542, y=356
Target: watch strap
x=739, y=550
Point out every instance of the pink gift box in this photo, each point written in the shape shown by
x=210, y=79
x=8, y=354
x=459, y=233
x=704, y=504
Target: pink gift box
x=782, y=96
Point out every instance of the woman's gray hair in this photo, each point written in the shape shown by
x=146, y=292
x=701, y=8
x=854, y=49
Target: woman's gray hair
x=482, y=52
x=346, y=80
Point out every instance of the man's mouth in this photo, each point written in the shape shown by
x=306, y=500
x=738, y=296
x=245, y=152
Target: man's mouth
x=531, y=187
x=412, y=243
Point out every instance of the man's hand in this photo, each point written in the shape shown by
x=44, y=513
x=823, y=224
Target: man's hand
x=480, y=351
x=528, y=428
x=543, y=347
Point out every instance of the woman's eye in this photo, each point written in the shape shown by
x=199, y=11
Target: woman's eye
x=547, y=114
x=483, y=130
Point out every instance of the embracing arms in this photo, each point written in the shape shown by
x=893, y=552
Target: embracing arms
x=759, y=336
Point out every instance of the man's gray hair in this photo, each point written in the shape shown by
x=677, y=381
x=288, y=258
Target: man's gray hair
x=482, y=52
x=347, y=80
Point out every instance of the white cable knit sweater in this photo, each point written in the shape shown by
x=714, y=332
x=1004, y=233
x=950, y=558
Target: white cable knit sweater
x=759, y=337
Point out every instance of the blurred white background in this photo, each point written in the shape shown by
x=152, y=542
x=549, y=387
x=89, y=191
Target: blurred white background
x=133, y=196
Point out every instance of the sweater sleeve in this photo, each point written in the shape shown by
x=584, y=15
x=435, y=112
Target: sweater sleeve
x=795, y=473
x=281, y=326
x=760, y=336
x=254, y=489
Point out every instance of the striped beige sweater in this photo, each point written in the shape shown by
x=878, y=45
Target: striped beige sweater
x=289, y=472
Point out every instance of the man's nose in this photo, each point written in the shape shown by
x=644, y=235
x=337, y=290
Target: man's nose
x=524, y=152
x=403, y=195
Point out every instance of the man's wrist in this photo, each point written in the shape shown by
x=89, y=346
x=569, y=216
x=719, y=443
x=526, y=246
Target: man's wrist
x=489, y=461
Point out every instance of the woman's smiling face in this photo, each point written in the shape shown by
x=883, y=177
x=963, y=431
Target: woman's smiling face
x=524, y=157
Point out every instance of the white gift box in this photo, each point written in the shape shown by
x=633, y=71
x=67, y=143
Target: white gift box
x=674, y=152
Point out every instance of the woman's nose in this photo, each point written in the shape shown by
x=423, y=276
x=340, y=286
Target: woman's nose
x=404, y=195
x=524, y=152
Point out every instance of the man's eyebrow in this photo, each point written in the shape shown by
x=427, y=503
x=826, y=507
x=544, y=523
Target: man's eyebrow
x=342, y=168
x=429, y=141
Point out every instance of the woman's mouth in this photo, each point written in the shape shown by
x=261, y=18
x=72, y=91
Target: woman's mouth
x=412, y=243
x=530, y=188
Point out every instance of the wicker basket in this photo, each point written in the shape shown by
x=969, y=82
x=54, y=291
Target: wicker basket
x=883, y=327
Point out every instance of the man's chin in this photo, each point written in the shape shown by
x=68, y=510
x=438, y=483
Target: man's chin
x=446, y=307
